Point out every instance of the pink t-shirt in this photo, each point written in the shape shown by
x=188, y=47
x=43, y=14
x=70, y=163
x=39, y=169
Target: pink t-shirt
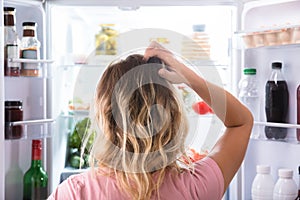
x=205, y=183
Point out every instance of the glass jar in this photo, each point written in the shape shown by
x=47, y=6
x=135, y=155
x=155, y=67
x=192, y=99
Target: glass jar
x=30, y=49
x=13, y=113
x=106, y=40
x=11, y=43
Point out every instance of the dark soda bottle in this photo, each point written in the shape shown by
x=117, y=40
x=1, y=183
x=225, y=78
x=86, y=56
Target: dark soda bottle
x=35, y=181
x=298, y=112
x=276, y=102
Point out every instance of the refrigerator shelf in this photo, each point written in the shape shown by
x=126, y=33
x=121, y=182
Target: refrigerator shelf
x=281, y=125
x=29, y=61
x=31, y=122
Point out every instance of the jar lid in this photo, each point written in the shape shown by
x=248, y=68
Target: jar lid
x=285, y=173
x=29, y=24
x=249, y=71
x=13, y=103
x=9, y=9
x=276, y=65
x=263, y=169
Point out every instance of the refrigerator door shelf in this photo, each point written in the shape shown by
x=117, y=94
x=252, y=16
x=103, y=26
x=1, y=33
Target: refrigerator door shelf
x=37, y=128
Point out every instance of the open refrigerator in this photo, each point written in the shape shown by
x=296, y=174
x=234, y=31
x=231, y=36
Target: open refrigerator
x=62, y=96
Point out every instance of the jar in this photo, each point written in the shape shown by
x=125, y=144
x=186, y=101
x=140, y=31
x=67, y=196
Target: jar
x=106, y=40
x=13, y=112
x=30, y=49
x=11, y=43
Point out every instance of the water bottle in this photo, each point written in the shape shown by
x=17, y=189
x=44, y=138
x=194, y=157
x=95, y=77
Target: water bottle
x=263, y=184
x=248, y=95
x=285, y=187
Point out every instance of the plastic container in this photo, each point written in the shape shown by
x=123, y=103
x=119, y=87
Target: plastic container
x=248, y=94
x=276, y=102
x=263, y=184
x=285, y=187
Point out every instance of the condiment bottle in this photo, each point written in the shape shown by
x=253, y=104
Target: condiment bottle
x=285, y=187
x=11, y=43
x=276, y=102
x=263, y=183
x=30, y=49
x=13, y=112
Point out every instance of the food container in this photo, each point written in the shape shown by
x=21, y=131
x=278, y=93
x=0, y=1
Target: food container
x=248, y=40
x=296, y=35
x=285, y=36
x=259, y=40
x=271, y=37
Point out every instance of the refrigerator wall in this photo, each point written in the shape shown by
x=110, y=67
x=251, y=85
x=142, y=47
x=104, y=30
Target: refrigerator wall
x=272, y=16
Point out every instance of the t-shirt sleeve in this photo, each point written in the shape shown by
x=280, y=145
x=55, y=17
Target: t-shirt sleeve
x=68, y=189
x=208, y=180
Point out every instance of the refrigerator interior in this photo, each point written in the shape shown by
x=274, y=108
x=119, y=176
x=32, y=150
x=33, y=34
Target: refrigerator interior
x=258, y=17
x=78, y=68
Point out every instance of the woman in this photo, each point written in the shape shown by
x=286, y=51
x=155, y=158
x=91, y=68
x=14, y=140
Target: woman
x=142, y=129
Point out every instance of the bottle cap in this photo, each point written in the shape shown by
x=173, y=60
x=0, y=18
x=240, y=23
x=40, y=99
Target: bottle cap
x=263, y=169
x=36, y=144
x=13, y=103
x=276, y=65
x=249, y=71
x=285, y=173
x=199, y=27
x=8, y=9
x=29, y=24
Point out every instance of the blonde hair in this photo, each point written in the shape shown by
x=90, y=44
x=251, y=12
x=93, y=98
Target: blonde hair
x=141, y=126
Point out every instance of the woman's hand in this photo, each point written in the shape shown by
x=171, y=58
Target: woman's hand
x=174, y=70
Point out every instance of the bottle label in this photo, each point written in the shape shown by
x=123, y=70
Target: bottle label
x=30, y=54
x=12, y=51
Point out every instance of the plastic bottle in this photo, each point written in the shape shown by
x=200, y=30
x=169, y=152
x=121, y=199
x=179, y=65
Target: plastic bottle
x=263, y=183
x=298, y=112
x=276, y=102
x=298, y=197
x=30, y=49
x=35, y=181
x=248, y=94
x=285, y=187
x=11, y=43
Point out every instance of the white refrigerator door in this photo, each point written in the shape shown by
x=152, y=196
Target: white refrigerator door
x=264, y=17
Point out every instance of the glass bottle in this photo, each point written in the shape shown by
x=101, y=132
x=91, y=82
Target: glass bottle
x=35, y=181
x=248, y=94
x=30, y=49
x=276, y=102
x=11, y=43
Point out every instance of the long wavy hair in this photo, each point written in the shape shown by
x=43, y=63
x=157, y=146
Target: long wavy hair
x=141, y=127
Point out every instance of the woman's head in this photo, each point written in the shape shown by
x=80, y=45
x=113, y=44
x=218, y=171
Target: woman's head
x=141, y=122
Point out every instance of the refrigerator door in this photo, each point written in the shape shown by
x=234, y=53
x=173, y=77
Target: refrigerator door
x=271, y=26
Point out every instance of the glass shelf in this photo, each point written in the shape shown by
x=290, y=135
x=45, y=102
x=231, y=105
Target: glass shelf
x=38, y=128
x=258, y=132
x=29, y=61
